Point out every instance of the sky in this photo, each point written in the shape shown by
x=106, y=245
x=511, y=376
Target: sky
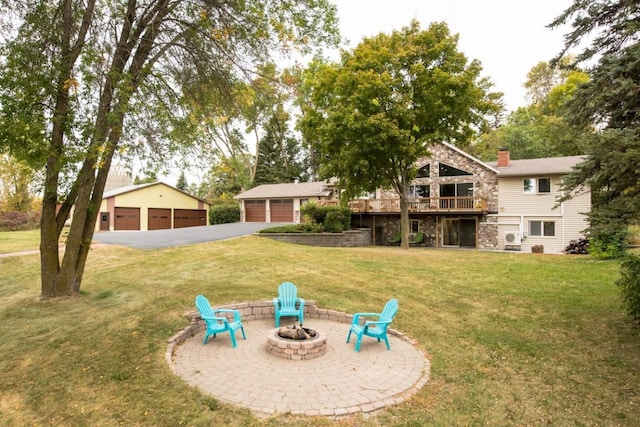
x=508, y=37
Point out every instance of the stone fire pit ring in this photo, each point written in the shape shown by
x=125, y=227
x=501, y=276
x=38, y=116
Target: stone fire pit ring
x=296, y=349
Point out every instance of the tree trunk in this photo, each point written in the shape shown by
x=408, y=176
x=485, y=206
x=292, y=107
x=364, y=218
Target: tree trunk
x=404, y=221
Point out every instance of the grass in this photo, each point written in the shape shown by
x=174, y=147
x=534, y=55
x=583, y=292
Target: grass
x=18, y=241
x=513, y=339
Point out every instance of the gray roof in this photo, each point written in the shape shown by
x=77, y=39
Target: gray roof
x=537, y=167
x=288, y=191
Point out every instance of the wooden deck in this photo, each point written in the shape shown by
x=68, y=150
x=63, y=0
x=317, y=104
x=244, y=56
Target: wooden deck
x=418, y=205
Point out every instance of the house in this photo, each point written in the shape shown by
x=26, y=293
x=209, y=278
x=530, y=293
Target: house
x=529, y=213
x=457, y=201
x=281, y=202
x=151, y=206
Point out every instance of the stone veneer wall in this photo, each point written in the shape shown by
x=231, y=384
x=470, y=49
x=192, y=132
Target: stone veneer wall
x=485, y=184
x=349, y=238
x=259, y=310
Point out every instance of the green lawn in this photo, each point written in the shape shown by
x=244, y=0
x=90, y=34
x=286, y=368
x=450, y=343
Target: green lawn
x=513, y=339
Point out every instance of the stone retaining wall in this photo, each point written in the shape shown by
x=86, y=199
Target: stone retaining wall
x=347, y=239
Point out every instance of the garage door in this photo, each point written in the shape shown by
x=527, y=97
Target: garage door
x=159, y=219
x=282, y=210
x=255, y=211
x=127, y=219
x=189, y=217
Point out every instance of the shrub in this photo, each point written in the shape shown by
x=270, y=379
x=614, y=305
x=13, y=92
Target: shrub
x=608, y=246
x=629, y=283
x=18, y=221
x=294, y=228
x=333, y=219
x=224, y=214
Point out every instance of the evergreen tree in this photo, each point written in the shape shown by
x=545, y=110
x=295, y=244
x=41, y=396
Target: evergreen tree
x=609, y=101
x=182, y=182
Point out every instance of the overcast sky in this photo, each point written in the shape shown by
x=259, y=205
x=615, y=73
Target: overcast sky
x=508, y=37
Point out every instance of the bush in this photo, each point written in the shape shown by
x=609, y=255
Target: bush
x=224, y=214
x=608, y=246
x=629, y=283
x=295, y=228
x=333, y=219
x=18, y=221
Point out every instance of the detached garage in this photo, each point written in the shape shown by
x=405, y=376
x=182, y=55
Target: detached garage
x=155, y=206
x=282, y=202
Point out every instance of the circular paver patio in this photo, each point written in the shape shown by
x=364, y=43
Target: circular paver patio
x=339, y=383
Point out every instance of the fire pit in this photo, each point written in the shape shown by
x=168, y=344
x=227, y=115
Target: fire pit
x=296, y=343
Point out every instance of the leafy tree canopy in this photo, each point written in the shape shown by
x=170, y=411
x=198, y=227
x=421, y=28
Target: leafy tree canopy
x=83, y=82
x=542, y=128
x=374, y=114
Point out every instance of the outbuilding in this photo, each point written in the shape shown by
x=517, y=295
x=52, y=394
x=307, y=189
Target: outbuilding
x=282, y=202
x=153, y=206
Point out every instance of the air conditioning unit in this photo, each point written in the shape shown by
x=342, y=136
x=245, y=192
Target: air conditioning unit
x=512, y=238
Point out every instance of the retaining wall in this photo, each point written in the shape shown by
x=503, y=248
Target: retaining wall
x=347, y=239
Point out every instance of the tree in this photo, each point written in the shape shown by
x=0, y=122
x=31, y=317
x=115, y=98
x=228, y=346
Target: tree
x=182, y=182
x=16, y=179
x=610, y=103
x=540, y=129
x=373, y=115
x=85, y=81
x=280, y=156
x=226, y=178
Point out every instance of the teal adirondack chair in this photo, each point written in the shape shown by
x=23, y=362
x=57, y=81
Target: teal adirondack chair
x=217, y=324
x=287, y=303
x=374, y=328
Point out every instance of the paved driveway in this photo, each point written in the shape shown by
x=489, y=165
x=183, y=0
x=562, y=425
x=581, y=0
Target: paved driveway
x=157, y=239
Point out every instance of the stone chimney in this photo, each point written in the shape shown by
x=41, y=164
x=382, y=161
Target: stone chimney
x=503, y=158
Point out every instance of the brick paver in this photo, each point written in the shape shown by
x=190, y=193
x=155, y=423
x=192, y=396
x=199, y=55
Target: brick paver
x=339, y=383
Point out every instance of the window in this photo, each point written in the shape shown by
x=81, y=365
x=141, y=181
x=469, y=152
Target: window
x=424, y=172
x=414, y=226
x=536, y=185
x=542, y=228
x=446, y=170
x=418, y=191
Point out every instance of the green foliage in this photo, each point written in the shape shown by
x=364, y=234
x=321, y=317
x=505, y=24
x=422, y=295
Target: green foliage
x=371, y=116
x=331, y=219
x=84, y=82
x=182, y=182
x=540, y=129
x=280, y=156
x=224, y=214
x=295, y=228
x=608, y=245
x=608, y=102
x=629, y=283
x=227, y=177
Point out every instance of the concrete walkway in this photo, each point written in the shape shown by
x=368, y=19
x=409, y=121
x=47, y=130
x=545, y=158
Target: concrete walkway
x=338, y=383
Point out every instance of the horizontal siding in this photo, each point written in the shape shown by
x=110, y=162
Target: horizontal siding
x=513, y=201
x=516, y=209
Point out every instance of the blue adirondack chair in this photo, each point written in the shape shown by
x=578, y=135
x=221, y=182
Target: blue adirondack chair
x=287, y=303
x=374, y=328
x=217, y=324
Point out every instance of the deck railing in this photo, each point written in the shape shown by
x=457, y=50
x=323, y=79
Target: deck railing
x=431, y=204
